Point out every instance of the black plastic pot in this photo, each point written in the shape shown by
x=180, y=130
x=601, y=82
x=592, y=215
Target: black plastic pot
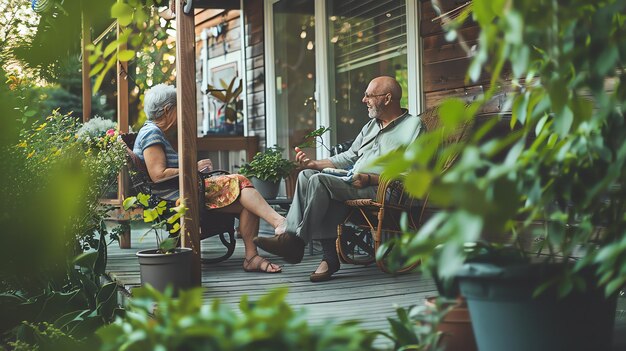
x=267, y=189
x=161, y=270
x=505, y=316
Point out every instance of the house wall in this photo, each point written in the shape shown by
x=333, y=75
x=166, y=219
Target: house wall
x=254, y=67
x=444, y=63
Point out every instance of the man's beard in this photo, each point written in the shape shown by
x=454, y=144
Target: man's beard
x=374, y=112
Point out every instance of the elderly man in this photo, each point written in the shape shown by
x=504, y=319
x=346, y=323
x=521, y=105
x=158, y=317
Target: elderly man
x=318, y=204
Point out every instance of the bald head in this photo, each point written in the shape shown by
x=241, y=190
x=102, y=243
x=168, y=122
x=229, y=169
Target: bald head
x=382, y=98
x=388, y=85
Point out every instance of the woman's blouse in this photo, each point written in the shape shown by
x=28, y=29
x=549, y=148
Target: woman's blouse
x=150, y=135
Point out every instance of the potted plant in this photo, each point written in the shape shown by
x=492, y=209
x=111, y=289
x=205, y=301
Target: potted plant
x=166, y=264
x=562, y=165
x=267, y=169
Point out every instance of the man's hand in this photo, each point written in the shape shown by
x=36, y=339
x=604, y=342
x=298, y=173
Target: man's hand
x=205, y=165
x=303, y=160
x=362, y=180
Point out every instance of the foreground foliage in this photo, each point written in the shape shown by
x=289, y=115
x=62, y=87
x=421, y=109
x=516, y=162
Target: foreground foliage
x=185, y=324
x=564, y=160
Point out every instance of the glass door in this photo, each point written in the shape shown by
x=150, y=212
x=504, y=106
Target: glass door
x=293, y=29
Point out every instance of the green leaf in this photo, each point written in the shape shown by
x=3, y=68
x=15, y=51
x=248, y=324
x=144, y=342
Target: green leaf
x=96, y=69
x=143, y=199
x=123, y=12
x=175, y=228
x=418, y=182
x=126, y=55
x=563, y=121
x=520, y=107
x=452, y=113
x=110, y=48
x=606, y=60
x=150, y=215
x=129, y=202
x=86, y=259
x=614, y=285
x=168, y=244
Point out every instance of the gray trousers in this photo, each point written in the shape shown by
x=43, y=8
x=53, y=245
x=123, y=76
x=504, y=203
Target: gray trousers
x=318, y=207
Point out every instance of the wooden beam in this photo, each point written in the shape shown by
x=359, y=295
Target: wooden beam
x=122, y=89
x=187, y=133
x=86, y=67
x=122, y=112
x=230, y=143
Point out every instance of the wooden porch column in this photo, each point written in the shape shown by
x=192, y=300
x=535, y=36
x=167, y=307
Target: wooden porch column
x=86, y=67
x=122, y=125
x=187, y=132
x=122, y=89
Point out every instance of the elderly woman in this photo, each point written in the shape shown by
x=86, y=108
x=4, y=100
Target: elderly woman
x=232, y=193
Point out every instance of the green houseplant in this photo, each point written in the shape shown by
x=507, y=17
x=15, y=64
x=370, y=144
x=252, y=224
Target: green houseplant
x=167, y=264
x=563, y=165
x=267, y=169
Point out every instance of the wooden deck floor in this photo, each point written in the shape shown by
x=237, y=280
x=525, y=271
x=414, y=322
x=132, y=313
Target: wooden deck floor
x=362, y=293
x=357, y=292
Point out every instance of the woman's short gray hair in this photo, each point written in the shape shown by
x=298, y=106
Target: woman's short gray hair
x=157, y=98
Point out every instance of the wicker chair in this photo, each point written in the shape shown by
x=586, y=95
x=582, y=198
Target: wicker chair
x=371, y=222
x=212, y=224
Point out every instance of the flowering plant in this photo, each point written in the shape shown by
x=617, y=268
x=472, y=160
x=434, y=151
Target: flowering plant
x=95, y=128
x=59, y=141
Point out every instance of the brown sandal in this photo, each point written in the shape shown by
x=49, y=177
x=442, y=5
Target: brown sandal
x=260, y=261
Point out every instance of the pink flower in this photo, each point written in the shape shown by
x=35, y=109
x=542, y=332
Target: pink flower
x=111, y=132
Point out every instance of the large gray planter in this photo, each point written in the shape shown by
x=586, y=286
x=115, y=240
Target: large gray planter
x=506, y=316
x=267, y=189
x=161, y=270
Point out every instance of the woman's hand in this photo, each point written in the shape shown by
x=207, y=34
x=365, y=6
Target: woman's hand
x=205, y=165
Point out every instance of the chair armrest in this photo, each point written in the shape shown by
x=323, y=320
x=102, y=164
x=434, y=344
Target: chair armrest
x=391, y=192
x=170, y=182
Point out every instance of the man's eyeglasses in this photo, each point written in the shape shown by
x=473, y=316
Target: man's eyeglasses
x=369, y=96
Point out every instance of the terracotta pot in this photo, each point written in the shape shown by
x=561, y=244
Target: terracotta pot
x=456, y=327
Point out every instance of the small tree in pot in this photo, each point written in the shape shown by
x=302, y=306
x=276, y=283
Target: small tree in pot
x=267, y=169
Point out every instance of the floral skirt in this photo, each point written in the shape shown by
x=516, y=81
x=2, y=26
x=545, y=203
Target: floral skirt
x=221, y=191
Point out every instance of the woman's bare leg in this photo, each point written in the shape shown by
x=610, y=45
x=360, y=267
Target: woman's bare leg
x=249, y=229
x=251, y=200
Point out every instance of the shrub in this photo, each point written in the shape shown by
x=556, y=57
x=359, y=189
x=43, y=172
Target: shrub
x=184, y=324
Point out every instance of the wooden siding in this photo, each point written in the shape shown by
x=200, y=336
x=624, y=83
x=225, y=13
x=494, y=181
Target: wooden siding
x=445, y=63
x=255, y=67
